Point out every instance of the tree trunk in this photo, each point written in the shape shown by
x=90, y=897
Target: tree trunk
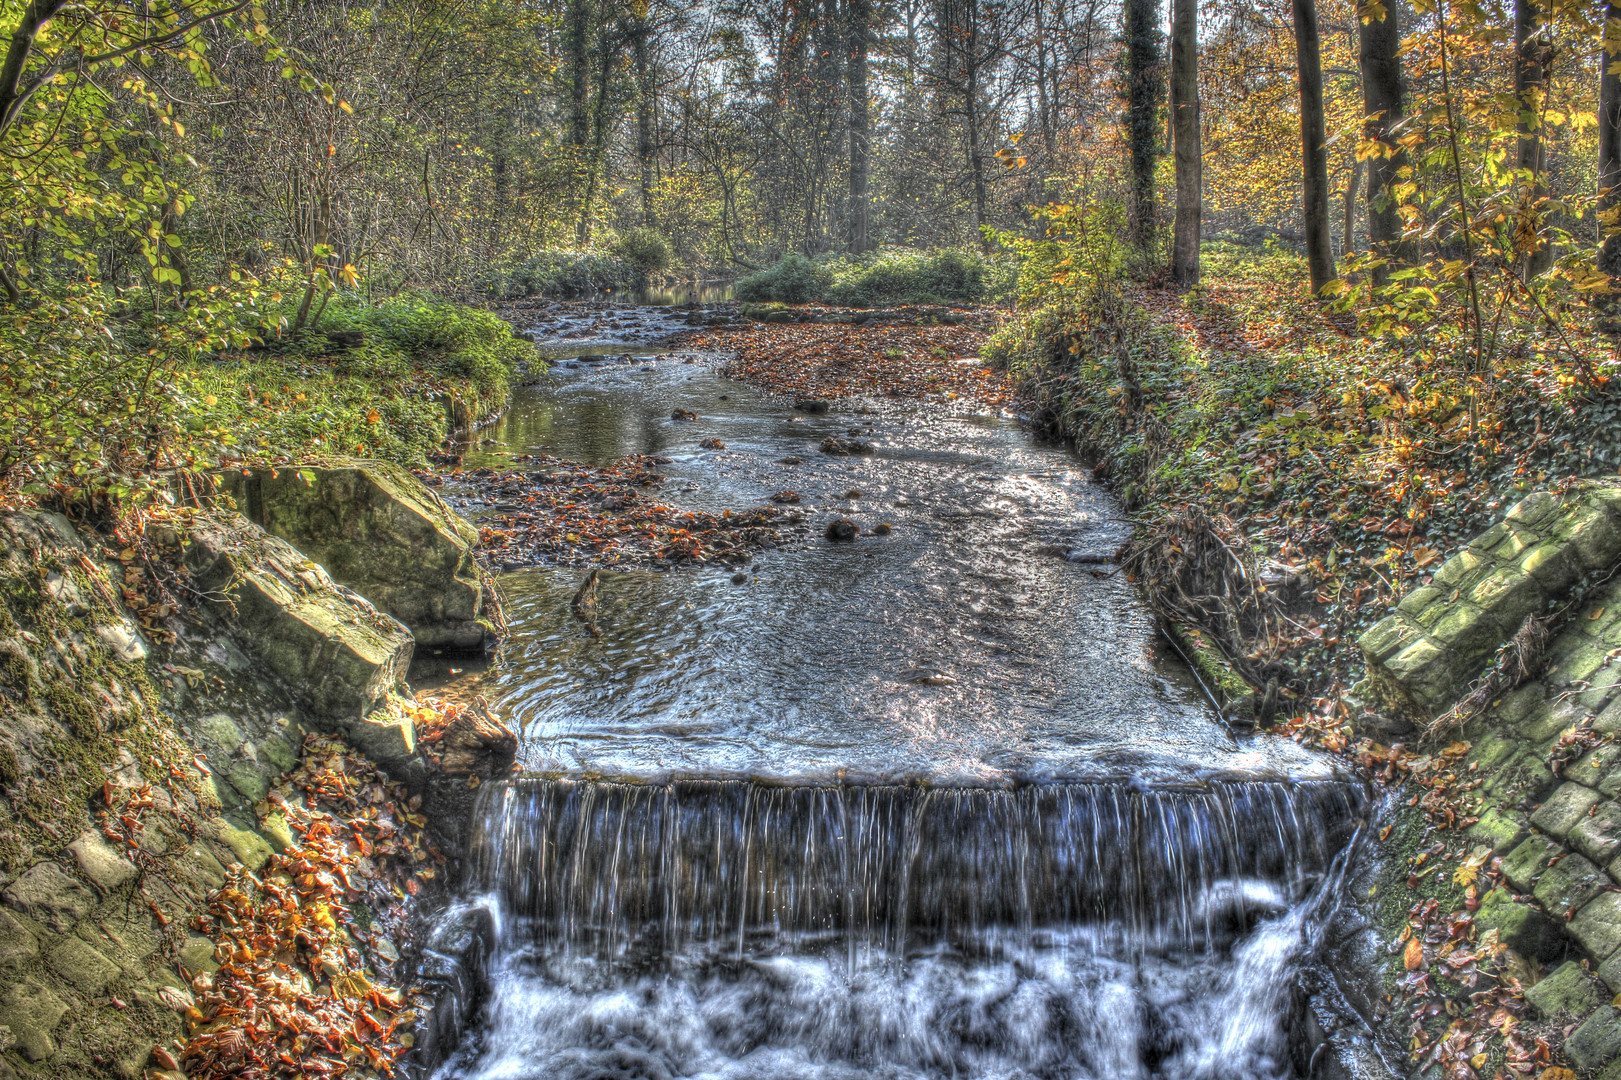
x=1313, y=144
x=1383, y=104
x=1144, y=91
x=1609, y=154
x=858, y=15
x=1185, y=132
x=1348, y=245
x=976, y=152
x=578, y=19
x=645, y=92
x=1530, y=44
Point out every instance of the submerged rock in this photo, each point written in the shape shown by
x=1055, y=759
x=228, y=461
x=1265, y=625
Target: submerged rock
x=845, y=447
x=379, y=531
x=841, y=529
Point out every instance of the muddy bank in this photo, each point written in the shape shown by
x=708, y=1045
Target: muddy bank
x=221, y=811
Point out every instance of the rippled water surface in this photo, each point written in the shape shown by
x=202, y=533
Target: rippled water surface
x=978, y=639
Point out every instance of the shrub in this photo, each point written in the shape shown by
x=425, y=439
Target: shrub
x=793, y=279
x=646, y=251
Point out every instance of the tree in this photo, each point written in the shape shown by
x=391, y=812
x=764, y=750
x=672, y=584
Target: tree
x=1145, y=89
x=1609, y=149
x=1313, y=144
x=858, y=17
x=1185, y=129
x=1383, y=104
x=1531, y=46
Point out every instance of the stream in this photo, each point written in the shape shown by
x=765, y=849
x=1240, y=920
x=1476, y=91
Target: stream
x=933, y=803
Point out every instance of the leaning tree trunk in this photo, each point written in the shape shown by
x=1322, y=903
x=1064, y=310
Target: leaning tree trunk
x=1185, y=134
x=1144, y=91
x=1313, y=144
x=1383, y=104
x=1609, y=155
x=1529, y=81
x=858, y=14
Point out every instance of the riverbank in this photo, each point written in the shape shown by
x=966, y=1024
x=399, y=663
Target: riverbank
x=216, y=790
x=1292, y=479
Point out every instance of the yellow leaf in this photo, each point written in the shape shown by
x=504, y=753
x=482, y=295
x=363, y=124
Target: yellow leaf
x=1412, y=957
x=1466, y=874
x=1597, y=613
x=1227, y=482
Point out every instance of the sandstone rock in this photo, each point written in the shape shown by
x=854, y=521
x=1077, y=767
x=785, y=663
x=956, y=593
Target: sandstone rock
x=1570, y=992
x=99, y=862
x=83, y=967
x=841, y=529
x=233, y=845
x=1501, y=830
x=1598, y=835
x=1596, y=1041
x=340, y=657
x=32, y=1012
x=1598, y=926
x=1521, y=927
x=381, y=532
x=48, y=894
x=17, y=945
x=1564, y=809
x=1568, y=885
x=197, y=956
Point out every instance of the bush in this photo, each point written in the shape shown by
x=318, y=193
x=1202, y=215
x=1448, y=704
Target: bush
x=564, y=273
x=793, y=279
x=646, y=251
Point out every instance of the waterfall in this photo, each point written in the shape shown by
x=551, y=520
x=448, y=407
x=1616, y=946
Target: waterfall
x=730, y=929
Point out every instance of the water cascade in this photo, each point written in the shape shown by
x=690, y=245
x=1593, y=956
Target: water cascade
x=729, y=929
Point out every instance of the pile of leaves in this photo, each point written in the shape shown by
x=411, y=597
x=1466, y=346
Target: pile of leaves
x=573, y=514
x=827, y=361
x=299, y=942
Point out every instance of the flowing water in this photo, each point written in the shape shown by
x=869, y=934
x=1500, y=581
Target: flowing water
x=930, y=804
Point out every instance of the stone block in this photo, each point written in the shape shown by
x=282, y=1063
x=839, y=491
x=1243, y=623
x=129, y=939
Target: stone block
x=1596, y=1041
x=1463, y=568
x=1537, y=510
x=1468, y=628
x=1594, y=535
x=83, y=967
x=1492, y=750
x=1570, y=993
x=46, y=893
x=1598, y=926
x=1420, y=600
x=218, y=736
x=1508, y=595
x=1582, y=662
x=1388, y=636
x=380, y=531
x=1513, y=542
x=1598, y=835
x=386, y=736
x=1520, y=926
x=1564, y=809
x=97, y=860
x=32, y=1013
x=1500, y=829
x=1568, y=884
x=1553, y=565
x=1608, y=722
x=1525, y=864
x=17, y=944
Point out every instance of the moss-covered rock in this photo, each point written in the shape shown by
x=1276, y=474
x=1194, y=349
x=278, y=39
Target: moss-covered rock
x=381, y=532
x=339, y=657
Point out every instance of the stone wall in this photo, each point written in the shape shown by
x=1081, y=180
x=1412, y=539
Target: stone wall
x=1542, y=770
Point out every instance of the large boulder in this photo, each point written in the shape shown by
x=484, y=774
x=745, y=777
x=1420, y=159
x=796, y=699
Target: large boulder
x=379, y=531
x=338, y=655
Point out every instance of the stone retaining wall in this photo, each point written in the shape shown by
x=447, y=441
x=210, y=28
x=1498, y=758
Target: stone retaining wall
x=1544, y=759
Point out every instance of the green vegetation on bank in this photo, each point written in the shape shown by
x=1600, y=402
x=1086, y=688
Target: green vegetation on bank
x=120, y=400
x=890, y=276
x=1346, y=459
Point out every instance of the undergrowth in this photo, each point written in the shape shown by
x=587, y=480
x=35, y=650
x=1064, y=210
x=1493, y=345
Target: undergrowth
x=1336, y=468
x=888, y=276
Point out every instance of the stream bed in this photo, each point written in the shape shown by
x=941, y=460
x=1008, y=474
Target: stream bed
x=934, y=802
